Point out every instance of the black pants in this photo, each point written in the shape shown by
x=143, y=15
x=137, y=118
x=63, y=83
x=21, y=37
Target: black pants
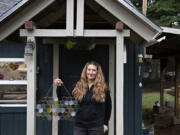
x=89, y=131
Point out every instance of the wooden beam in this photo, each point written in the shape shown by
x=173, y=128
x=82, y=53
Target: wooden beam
x=171, y=30
x=124, y=53
x=51, y=17
x=29, y=25
x=128, y=18
x=119, y=26
x=70, y=17
x=163, y=63
x=177, y=66
x=55, y=75
x=43, y=33
x=65, y=33
x=119, y=85
x=80, y=18
x=18, y=20
x=31, y=91
x=101, y=12
x=105, y=33
x=111, y=85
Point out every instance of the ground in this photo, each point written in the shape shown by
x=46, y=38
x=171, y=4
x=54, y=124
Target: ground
x=163, y=121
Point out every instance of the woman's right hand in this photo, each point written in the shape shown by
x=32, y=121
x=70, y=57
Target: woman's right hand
x=58, y=82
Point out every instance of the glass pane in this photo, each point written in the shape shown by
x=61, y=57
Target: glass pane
x=12, y=71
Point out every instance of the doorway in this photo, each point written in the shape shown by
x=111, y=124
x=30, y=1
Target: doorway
x=71, y=65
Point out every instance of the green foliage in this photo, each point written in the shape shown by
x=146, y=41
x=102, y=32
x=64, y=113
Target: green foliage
x=162, y=12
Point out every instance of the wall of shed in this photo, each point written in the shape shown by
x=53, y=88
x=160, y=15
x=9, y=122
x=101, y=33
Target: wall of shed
x=15, y=121
x=132, y=91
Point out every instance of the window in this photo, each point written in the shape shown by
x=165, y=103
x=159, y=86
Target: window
x=13, y=80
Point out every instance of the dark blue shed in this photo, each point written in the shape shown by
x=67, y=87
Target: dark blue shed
x=117, y=29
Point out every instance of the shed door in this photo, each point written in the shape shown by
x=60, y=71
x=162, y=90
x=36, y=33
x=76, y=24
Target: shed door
x=71, y=65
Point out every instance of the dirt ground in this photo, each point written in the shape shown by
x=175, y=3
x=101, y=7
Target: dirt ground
x=175, y=130
x=166, y=130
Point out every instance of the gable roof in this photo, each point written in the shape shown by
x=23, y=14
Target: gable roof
x=123, y=10
x=7, y=7
x=136, y=12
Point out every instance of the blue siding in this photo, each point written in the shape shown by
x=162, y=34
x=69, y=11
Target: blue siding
x=10, y=50
x=12, y=121
x=132, y=92
x=44, y=82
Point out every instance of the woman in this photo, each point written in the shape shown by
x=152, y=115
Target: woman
x=94, y=99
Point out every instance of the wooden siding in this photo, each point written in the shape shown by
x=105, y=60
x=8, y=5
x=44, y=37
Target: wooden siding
x=9, y=117
x=12, y=121
x=132, y=91
x=11, y=50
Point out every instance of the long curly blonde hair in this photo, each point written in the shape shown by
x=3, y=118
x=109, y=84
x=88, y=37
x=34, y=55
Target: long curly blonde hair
x=99, y=84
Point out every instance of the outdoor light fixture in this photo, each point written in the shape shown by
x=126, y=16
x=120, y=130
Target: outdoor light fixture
x=140, y=61
x=29, y=48
x=140, y=58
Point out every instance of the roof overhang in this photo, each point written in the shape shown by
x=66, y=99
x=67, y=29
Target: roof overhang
x=26, y=14
x=167, y=47
x=120, y=9
x=132, y=18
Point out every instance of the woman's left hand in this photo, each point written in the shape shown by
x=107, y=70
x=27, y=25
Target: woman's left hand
x=105, y=128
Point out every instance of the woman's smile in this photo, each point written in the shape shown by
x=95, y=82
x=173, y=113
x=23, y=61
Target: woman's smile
x=91, y=72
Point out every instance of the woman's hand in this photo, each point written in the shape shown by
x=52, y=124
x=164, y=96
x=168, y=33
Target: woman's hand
x=58, y=82
x=105, y=128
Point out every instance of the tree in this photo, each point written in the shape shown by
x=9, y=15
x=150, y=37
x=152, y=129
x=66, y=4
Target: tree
x=162, y=12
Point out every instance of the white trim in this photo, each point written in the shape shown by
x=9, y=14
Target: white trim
x=100, y=33
x=119, y=85
x=13, y=82
x=70, y=17
x=124, y=53
x=43, y=33
x=13, y=9
x=55, y=75
x=171, y=30
x=64, y=33
x=80, y=18
x=11, y=59
x=111, y=84
x=31, y=91
x=129, y=19
x=132, y=9
x=13, y=105
x=13, y=101
x=18, y=20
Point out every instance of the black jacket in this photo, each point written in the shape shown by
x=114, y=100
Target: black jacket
x=91, y=113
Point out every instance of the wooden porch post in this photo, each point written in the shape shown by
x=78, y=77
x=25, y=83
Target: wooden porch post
x=55, y=75
x=162, y=69
x=31, y=90
x=177, y=66
x=111, y=84
x=119, y=84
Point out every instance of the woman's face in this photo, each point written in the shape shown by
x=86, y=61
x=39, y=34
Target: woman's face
x=91, y=72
